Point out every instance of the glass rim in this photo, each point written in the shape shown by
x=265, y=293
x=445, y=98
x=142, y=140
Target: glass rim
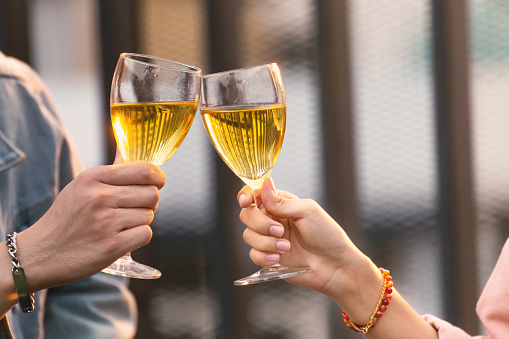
x=192, y=69
x=240, y=69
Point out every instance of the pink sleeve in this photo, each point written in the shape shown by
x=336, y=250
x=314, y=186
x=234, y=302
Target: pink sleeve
x=492, y=308
x=446, y=330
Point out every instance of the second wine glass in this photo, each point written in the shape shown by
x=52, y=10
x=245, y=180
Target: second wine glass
x=244, y=113
x=153, y=104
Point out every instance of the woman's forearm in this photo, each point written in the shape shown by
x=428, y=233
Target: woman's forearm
x=401, y=321
x=358, y=295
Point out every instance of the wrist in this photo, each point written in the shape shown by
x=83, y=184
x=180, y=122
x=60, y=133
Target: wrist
x=356, y=288
x=25, y=298
x=8, y=297
x=31, y=254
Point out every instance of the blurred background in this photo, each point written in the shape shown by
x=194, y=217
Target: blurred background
x=397, y=124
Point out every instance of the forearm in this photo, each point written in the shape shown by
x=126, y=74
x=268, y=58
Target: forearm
x=358, y=297
x=339, y=269
x=401, y=321
x=32, y=256
x=34, y=264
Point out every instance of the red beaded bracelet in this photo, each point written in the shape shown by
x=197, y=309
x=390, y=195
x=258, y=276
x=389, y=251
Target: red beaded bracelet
x=381, y=306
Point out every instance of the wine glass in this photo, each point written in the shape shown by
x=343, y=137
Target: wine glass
x=244, y=113
x=153, y=104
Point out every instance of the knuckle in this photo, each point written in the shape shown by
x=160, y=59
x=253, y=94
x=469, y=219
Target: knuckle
x=148, y=173
x=99, y=197
x=154, y=194
x=111, y=245
x=85, y=177
x=151, y=195
x=104, y=217
x=161, y=178
x=89, y=200
x=146, y=236
x=100, y=173
x=149, y=217
x=245, y=235
x=254, y=257
x=280, y=202
x=144, y=174
x=242, y=215
x=312, y=205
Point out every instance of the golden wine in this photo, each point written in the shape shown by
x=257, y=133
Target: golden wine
x=151, y=131
x=247, y=139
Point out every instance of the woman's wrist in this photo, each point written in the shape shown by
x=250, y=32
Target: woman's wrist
x=356, y=288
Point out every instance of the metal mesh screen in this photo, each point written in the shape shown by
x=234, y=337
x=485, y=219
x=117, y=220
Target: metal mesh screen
x=395, y=140
x=393, y=100
x=286, y=32
x=179, y=305
x=188, y=172
x=490, y=85
x=184, y=313
x=274, y=31
x=174, y=29
x=278, y=310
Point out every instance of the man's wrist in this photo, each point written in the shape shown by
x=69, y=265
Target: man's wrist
x=8, y=297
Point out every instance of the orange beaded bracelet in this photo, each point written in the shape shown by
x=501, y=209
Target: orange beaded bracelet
x=381, y=306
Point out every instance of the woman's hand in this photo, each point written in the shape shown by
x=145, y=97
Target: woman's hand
x=299, y=233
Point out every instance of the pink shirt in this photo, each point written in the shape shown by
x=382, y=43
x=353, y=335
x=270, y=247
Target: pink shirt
x=492, y=308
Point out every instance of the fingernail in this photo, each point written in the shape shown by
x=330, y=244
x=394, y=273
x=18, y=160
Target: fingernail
x=276, y=231
x=283, y=246
x=274, y=257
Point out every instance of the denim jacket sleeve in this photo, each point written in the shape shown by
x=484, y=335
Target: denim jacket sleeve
x=37, y=160
x=92, y=308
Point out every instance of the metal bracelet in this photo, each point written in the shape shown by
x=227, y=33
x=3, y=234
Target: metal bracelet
x=26, y=300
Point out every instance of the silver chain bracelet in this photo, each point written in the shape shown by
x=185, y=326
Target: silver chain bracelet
x=26, y=300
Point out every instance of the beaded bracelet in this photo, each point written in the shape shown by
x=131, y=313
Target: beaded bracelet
x=381, y=306
x=26, y=300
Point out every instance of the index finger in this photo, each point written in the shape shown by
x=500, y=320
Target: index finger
x=133, y=173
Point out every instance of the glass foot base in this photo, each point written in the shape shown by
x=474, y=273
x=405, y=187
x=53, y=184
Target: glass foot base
x=274, y=272
x=127, y=267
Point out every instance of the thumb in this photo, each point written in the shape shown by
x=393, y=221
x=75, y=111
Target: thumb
x=280, y=206
x=118, y=158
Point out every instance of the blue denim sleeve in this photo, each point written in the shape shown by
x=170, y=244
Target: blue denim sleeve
x=100, y=307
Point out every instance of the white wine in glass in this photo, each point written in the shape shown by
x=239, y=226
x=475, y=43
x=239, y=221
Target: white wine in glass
x=248, y=139
x=244, y=113
x=153, y=104
x=151, y=131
